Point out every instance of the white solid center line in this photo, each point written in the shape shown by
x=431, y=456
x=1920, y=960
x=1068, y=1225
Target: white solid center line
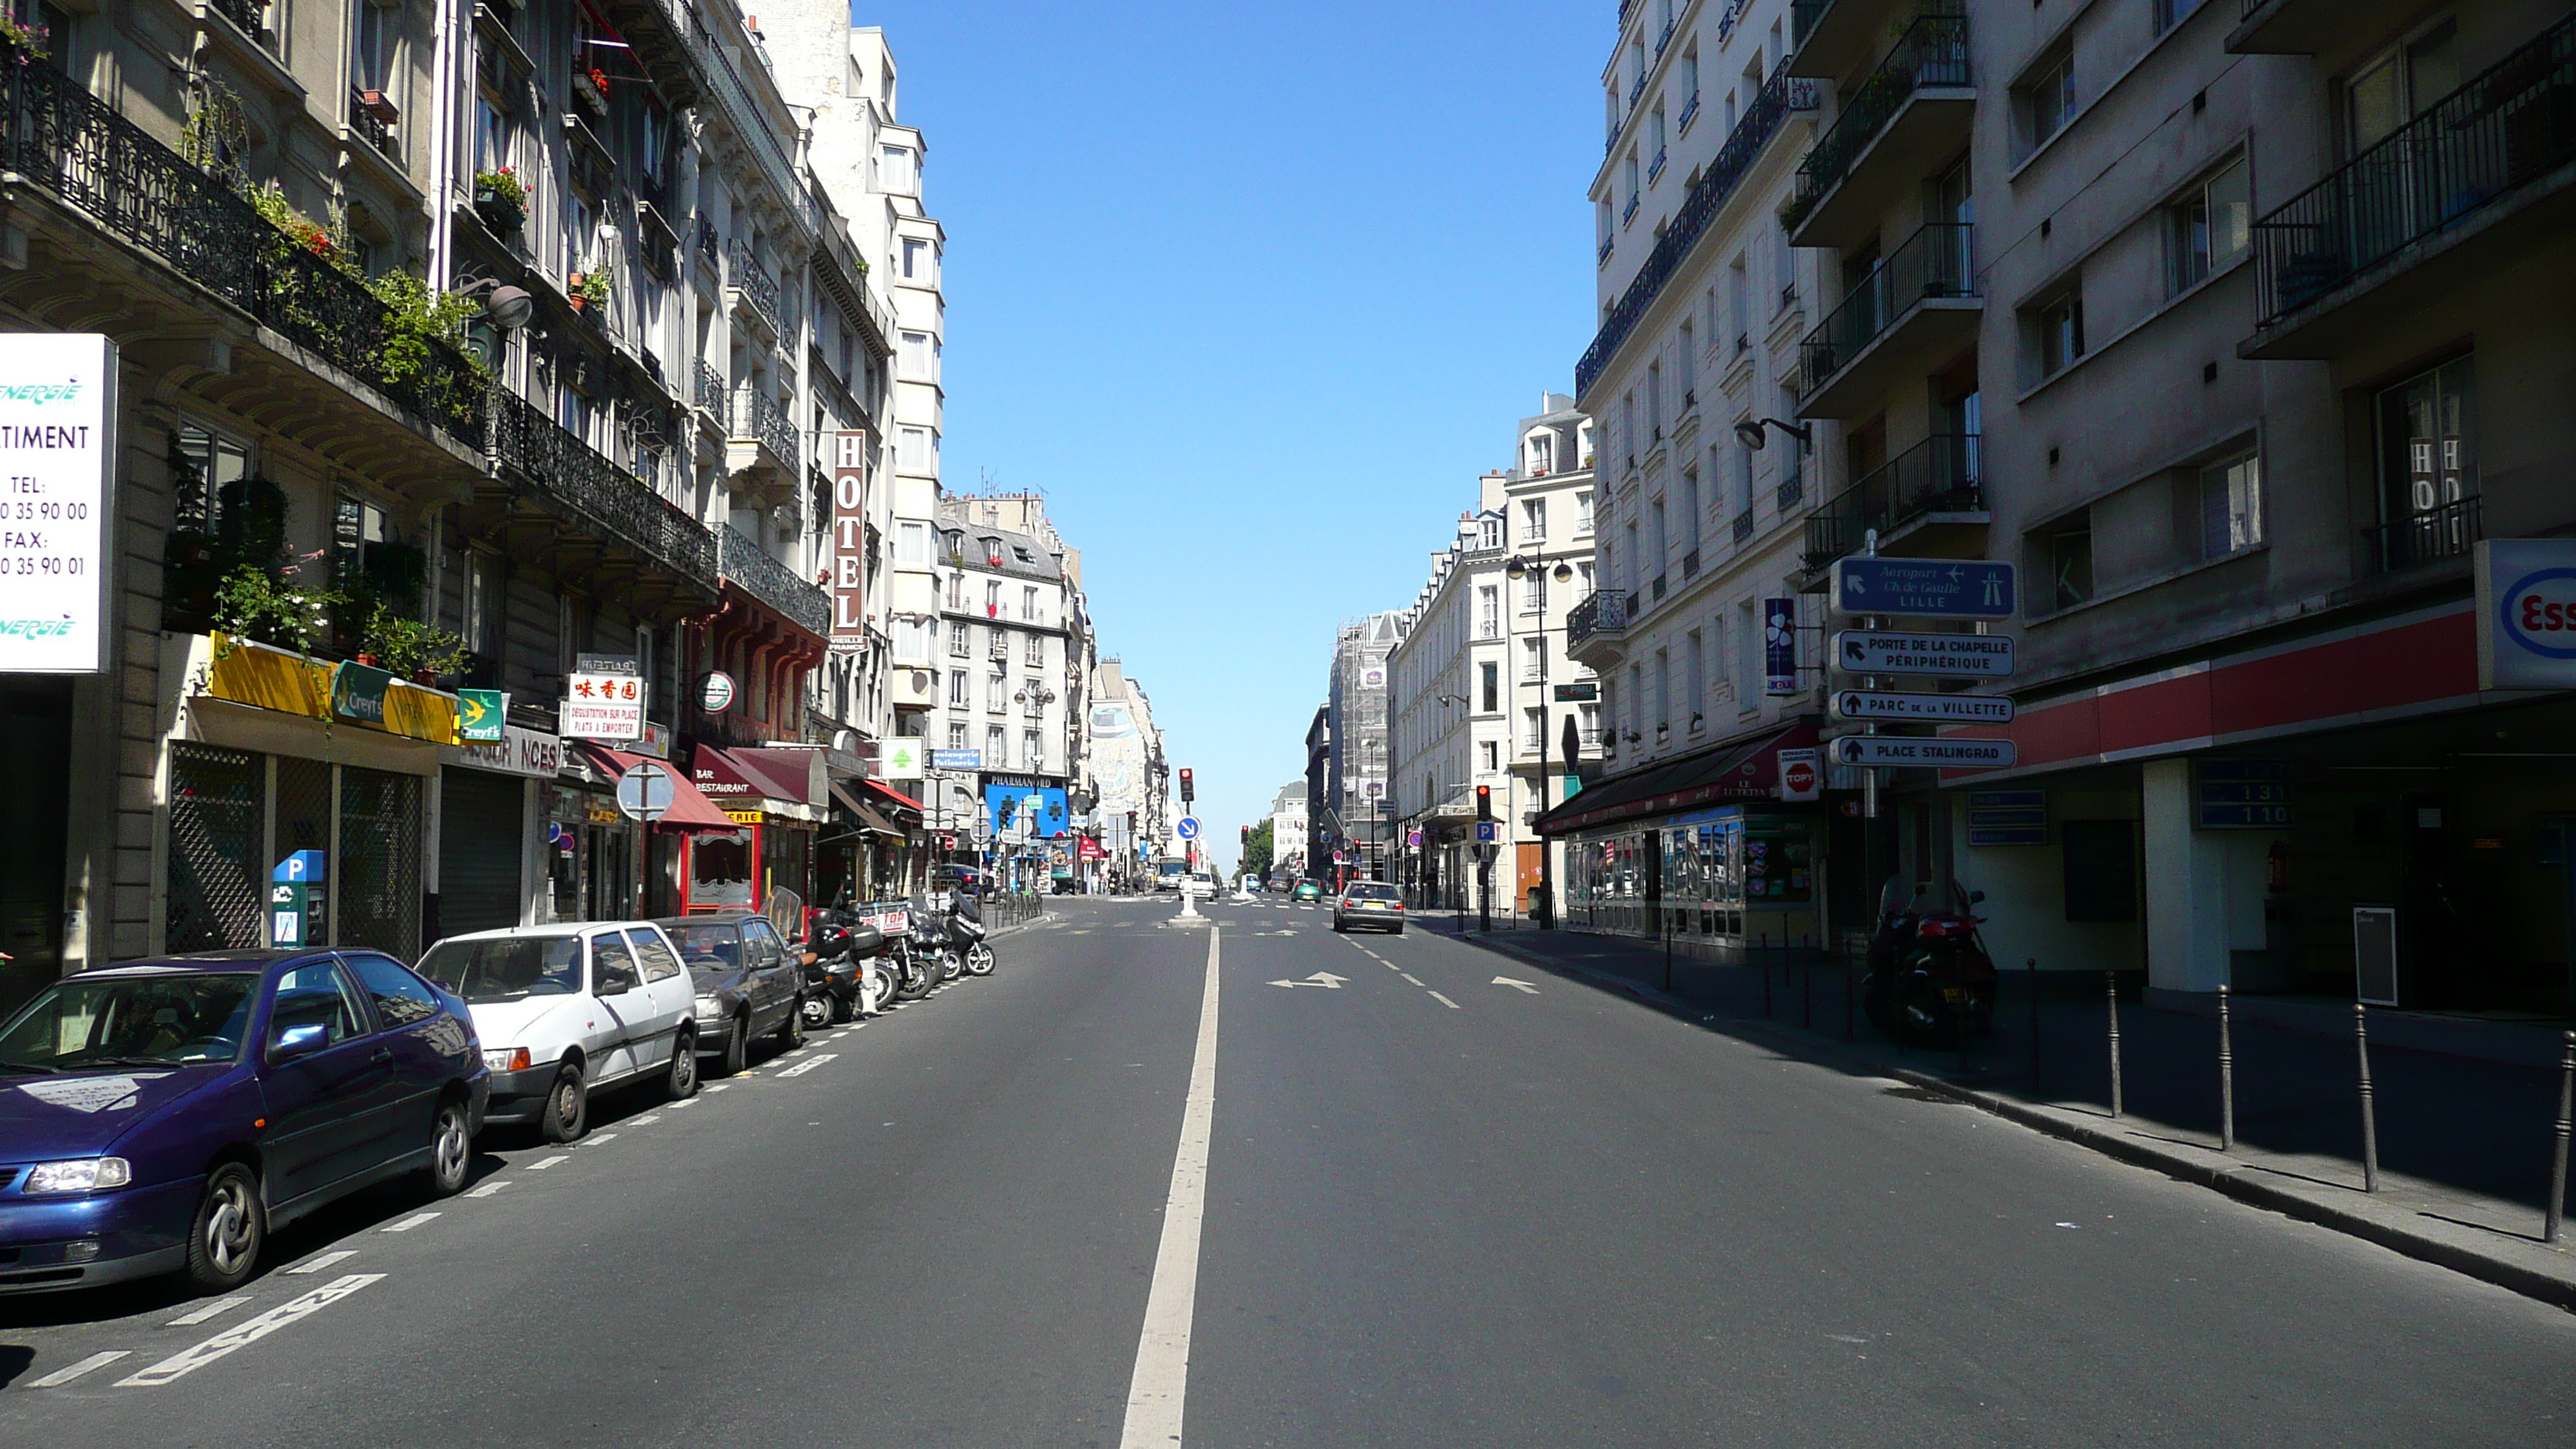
x=409, y=1223
x=549, y=1162
x=325, y=1261
x=246, y=1332
x=489, y=1188
x=66, y=1375
x=1156, y=1393
x=220, y=1305
x=1444, y=1001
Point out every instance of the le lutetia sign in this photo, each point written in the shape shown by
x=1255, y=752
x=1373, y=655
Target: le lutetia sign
x=57, y=445
x=1939, y=588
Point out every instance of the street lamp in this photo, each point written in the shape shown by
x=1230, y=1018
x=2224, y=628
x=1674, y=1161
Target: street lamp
x=1749, y=432
x=1519, y=566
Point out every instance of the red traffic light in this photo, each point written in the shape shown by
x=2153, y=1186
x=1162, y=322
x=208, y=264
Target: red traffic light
x=1484, y=802
x=1247, y=834
x=1189, y=785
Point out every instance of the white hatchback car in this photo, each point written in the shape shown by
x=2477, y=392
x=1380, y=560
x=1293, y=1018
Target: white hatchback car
x=567, y=1010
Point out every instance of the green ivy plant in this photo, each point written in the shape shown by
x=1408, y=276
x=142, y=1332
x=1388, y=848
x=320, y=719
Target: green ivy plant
x=407, y=647
x=328, y=243
x=254, y=603
x=419, y=317
x=594, y=287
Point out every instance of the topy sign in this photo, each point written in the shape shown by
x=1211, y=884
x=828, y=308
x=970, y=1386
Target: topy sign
x=1936, y=588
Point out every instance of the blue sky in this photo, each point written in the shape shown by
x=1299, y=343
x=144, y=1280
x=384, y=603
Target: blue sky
x=1252, y=294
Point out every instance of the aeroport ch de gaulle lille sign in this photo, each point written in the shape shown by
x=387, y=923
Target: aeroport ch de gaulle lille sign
x=1972, y=589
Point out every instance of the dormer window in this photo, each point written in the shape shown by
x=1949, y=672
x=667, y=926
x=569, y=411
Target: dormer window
x=1542, y=454
x=1489, y=532
x=993, y=551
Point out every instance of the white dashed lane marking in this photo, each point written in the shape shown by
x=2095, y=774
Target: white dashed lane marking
x=601, y=1140
x=549, y=1162
x=489, y=1188
x=63, y=1376
x=211, y=1310
x=801, y=1068
x=1444, y=1001
x=409, y=1223
x=247, y=1332
x=325, y=1261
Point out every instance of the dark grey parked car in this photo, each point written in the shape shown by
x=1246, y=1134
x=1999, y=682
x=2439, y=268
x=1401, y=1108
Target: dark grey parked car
x=749, y=983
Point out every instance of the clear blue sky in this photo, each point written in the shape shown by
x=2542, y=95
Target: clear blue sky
x=1252, y=294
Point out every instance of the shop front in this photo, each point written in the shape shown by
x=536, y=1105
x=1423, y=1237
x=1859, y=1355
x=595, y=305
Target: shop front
x=774, y=799
x=490, y=799
x=271, y=755
x=1704, y=850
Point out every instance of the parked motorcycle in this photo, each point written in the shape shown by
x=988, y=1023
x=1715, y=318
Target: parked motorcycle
x=1930, y=979
x=966, y=932
x=915, y=954
x=837, y=951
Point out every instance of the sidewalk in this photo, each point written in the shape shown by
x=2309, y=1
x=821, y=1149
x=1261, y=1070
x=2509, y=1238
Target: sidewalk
x=2464, y=1144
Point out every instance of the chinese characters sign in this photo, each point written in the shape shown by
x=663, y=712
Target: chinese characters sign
x=603, y=707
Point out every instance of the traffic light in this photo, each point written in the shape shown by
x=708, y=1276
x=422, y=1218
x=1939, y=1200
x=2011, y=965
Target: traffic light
x=1247, y=834
x=1484, y=802
x=1189, y=787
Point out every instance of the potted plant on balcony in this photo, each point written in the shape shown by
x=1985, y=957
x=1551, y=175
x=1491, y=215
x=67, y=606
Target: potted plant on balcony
x=35, y=39
x=591, y=89
x=379, y=105
x=590, y=292
x=401, y=645
x=501, y=200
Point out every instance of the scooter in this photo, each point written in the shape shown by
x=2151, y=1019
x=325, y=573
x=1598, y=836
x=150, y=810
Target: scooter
x=916, y=954
x=835, y=958
x=1930, y=979
x=966, y=930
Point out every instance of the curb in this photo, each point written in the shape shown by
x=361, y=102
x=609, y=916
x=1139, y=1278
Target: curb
x=2549, y=1275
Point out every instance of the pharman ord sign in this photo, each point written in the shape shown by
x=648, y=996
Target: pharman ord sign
x=57, y=500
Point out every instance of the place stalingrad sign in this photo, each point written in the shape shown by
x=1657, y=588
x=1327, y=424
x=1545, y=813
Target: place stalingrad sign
x=1923, y=708
x=1952, y=656
x=1939, y=588
x=57, y=445
x=1926, y=752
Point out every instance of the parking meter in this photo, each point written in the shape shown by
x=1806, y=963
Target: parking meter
x=295, y=897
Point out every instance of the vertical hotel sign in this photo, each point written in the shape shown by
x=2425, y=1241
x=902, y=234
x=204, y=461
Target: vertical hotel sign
x=57, y=445
x=849, y=540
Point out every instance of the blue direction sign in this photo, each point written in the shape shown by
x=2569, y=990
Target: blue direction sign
x=956, y=759
x=1935, y=588
x=1188, y=829
x=1488, y=831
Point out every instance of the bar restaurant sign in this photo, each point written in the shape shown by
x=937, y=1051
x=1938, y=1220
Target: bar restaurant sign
x=57, y=500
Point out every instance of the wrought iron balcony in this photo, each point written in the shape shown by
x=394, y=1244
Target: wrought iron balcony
x=2509, y=126
x=59, y=138
x=1601, y=613
x=2450, y=531
x=247, y=16
x=710, y=247
x=371, y=128
x=747, y=565
x=710, y=390
x=1933, y=51
x=1941, y=474
x=1939, y=260
x=757, y=415
x=1744, y=526
x=753, y=287
x=1744, y=144
x=539, y=454
x=1793, y=488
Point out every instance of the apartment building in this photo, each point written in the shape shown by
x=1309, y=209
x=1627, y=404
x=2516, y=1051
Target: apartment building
x=2269, y=293
x=1705, y=479
x=1288, y=831
x=1354, y=832
x=1473, y=688
x=1130, y=774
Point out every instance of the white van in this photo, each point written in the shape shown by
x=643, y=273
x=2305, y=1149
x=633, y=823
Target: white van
x=564, y=1011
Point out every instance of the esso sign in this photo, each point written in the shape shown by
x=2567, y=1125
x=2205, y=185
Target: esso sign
x=2538, y=611
x=2526, y=613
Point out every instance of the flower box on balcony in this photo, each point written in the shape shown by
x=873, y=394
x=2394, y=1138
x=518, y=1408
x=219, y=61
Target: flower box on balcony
x=380, y=106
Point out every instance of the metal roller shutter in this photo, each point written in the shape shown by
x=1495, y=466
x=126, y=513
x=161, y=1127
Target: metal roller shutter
x=478, y=851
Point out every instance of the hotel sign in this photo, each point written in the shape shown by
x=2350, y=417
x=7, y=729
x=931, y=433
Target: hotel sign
x=848, y=583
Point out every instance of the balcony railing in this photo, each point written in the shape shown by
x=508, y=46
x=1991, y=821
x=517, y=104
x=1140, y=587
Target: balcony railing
x=753, y=284
x=1758, y=125
x=711, y=389
x=749, y=565
x=2512, y=124
x=1933, y=51
x=2450, y=531
x=58, y=137
x=710, y=247
x=1792, y=489
x=757, y=415
x=1600, y=613
x=1939, y=260
x=371, y=128
x=539, y=453
x=1941, y=474
x=245, y=15
x=1744, y=526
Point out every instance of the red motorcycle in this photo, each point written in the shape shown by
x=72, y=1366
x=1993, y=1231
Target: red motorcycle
x=1930, y=979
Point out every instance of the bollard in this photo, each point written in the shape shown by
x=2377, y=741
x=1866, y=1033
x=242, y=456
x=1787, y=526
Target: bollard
x=2111, y=983
x=2226, y=1077
x=1851, y=1002
x=2369, y=1111
x=1762, y=958
x=2030, y=973
x=1807, y=992
x=2558, y=1167
x=1668, y=953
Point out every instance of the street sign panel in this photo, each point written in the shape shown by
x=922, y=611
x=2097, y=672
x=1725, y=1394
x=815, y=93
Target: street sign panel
x=1488, y=831
x=1931, y=708
x=1585, y=692
x=2526, y=590
x=2008, y=817
x=1188, y=829
x=956, y=759
x=1951, y=656
x=644, y=793
x=1934, y=752
x=1937, y=588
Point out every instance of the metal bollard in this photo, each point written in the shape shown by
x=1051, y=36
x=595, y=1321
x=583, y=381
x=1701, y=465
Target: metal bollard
x=1668, y=953
x=1762, y=957
x=2111, y=983
x=2030, y=973
x=1851, y=995
x=1806, y=992
x=2369, y=1110
x=2558, y=1167
x=2226, y=1076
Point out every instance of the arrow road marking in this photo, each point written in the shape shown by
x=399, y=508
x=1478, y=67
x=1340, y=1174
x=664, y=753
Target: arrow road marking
x=1324, y=979
x=1522, y=986
x=247, y=1332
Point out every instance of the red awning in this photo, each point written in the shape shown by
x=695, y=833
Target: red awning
x=893, y=794
x=1738, y=771
x=690, y=810
x=749, y=774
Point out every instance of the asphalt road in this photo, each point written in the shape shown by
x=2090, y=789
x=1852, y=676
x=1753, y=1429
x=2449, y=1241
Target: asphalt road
x=1437, y=1210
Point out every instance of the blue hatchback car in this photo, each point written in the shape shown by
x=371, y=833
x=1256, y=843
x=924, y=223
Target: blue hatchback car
x=163, y=1115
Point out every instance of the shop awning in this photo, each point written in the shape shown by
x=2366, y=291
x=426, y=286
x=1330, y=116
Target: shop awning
x=746, y=776
x=690, y=809
x=1745, y=769
x=892, y=795
x=869, y=818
